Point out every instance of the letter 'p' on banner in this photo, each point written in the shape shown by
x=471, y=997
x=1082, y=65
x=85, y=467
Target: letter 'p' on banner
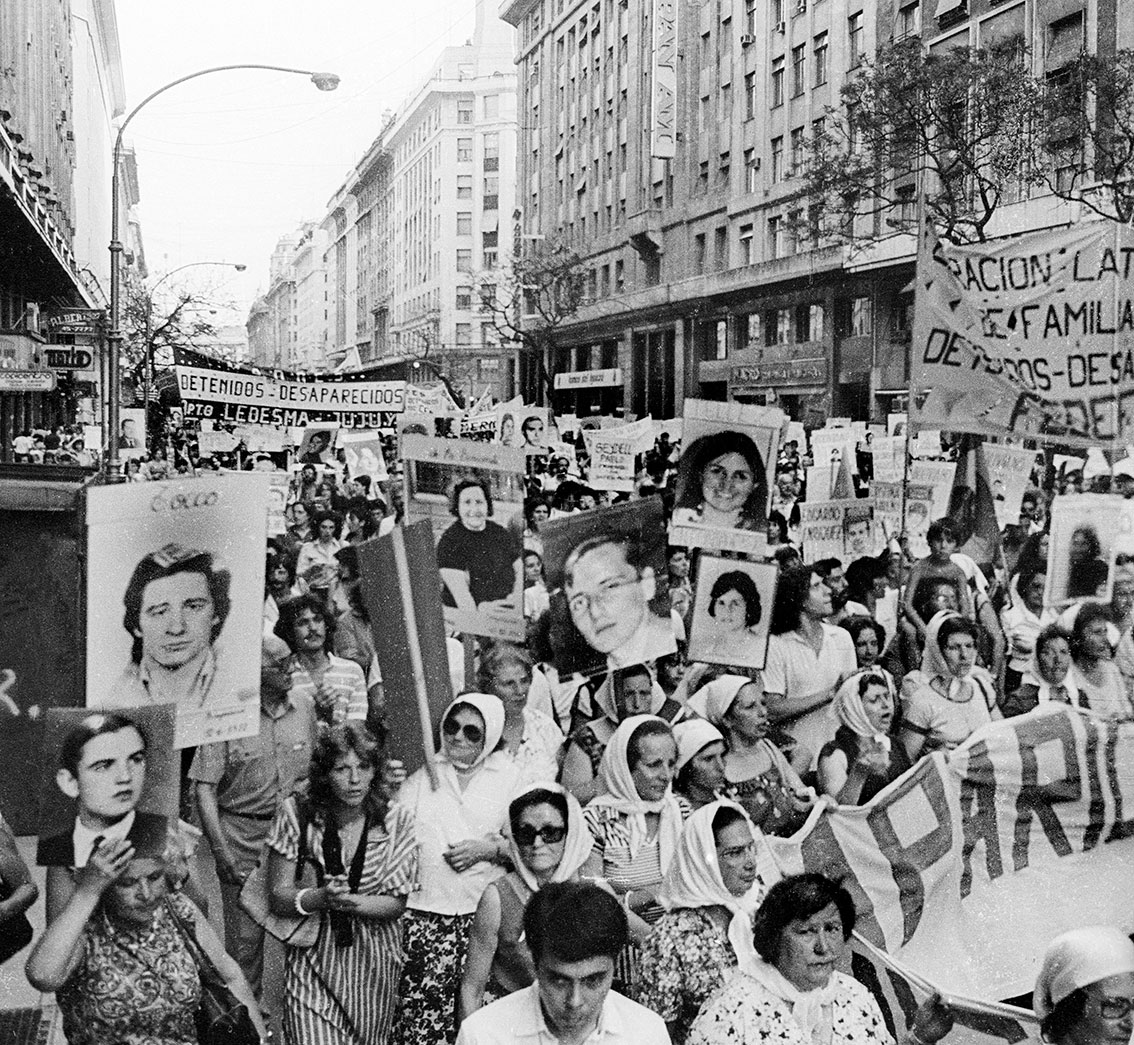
x=402, y=591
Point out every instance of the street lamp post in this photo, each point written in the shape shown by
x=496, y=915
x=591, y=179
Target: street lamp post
x=113, y=467
x=147, y=373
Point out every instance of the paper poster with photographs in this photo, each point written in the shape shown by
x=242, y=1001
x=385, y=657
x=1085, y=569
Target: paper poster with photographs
x=821, y=529
x=732, y=612
x=921, y=503
x=175, y=597
x=607, y=576
x=526, y=428
x=109, y=774
x=1088, y=532
x=473, y=496
x=279, y=488
x=1009, y=473
x=612, y=452
x=724, y=476
x=317, y=445
x=833, y=447
x=131, y=433
x=364, y=456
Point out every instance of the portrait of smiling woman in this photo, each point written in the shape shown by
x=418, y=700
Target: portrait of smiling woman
x=722, y=484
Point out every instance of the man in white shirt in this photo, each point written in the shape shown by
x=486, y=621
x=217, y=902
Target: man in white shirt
x=575, y=931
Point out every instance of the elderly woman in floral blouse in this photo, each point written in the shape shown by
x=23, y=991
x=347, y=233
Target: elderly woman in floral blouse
x=710, y=892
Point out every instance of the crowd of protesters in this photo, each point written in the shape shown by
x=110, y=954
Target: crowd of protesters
x=650, y=785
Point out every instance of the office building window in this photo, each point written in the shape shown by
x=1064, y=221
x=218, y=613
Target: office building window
x=464, y=223
x=492, y=152
x=820, y=59
x=492, y=107
x=775, y=237
x=777, y=13
x=749, y=96
x=491, y=192
x=464, y=261
x=860, y=324
x=909, y=20
x=751, y=170
x=489, y=247
x=464, y=150
x=798, y=70
x=797, y=156
x=699, y=253
x=750, y=17
x=464, y=110
x=777, y=159
x=746, y=255
x=464, y=186
x=464, y=333
x=855, y=39
x=753, y=330
x=464, y=298
x=777, y=81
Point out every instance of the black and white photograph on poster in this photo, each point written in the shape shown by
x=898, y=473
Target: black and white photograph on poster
x=317, y=446
x=106, y=775
x=859, y=538
x=534, y=430
x=363, y=453
x=1088, y=532
x=175, y=595
x=732, y=612
x=606, y=573
x=724, y=476
x=472, y=493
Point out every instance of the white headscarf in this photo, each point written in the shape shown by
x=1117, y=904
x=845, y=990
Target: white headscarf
x=1034, y=675
x=812, y=1010
x=693, y=735
x=621, y=794
x=606, y=703
x=694, y=878
x=847, y=708
x=934, y=665
x=713, y=700
x=491, y=709
x=577, y=845
x=1077, y=959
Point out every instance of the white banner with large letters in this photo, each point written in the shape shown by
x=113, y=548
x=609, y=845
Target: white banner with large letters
x=966, y=867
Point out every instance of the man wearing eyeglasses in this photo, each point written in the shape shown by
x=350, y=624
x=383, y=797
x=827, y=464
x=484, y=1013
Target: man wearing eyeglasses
x=575, y=932
x=609, y=587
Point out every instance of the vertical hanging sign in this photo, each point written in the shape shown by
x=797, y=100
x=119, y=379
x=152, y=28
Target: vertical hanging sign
x=663, y=100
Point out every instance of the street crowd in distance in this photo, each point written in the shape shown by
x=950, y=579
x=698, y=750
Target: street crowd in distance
x=587, y=855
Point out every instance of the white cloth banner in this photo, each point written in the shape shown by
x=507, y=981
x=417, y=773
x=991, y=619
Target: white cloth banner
x=969, y=864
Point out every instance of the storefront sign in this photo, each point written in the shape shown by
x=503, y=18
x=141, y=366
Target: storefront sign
x=611, y=378
x=27, y=380
x=69, y=357
x=789, y=372
x=77, y=321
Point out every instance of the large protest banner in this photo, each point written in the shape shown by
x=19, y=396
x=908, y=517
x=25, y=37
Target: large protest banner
x=175, y=596
x=969, y=864
x=210, y=389
x=1029, y=336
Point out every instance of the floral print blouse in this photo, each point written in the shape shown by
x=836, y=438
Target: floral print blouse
x=684, y=960
x=744, y=1012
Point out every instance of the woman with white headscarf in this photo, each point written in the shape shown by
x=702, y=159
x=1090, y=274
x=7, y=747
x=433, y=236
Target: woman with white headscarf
x=710, y=892
x=636, y=821
x=951, y=696
x=1048, y=675
x=461, y=851
x=701, y=752
x=757, y=774
x=548, y=842
x=864, y=757
x=628, y=691
x=1085, y=989
x=792, y=994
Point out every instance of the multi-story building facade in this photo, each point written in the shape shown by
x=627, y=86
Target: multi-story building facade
x=287, y=324
x=660, y=142
x=61, y=90
x=425, y=218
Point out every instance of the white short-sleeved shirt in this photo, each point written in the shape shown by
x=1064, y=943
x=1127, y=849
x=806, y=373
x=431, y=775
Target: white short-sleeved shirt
x=795, y=670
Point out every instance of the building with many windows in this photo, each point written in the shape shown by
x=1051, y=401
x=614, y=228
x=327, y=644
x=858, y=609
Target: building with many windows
x=660, y=142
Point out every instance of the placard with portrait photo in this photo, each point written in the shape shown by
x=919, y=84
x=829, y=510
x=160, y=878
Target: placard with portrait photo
x=472, y=493
x=108, y=774
x=607, y=577
x=1088, y=532
x=175, y=596
x=724, y=476
x=317, y=445
x=732, y=611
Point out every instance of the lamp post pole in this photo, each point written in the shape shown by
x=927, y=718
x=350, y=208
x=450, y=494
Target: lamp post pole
x=147, y=374
x=113, y=465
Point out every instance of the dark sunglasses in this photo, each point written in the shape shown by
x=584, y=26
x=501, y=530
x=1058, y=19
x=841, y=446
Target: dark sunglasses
x=473, y=734
x=525, y=834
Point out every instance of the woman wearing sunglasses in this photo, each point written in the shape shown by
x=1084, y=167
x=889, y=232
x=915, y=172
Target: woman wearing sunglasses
x=549, y=843
x=1085, y=989
x=461, y=852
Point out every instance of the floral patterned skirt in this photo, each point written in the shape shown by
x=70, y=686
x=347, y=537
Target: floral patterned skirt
x=435, y=946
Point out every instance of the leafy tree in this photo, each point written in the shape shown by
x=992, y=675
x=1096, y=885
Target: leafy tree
x=958, y=123
x=1088, y=141
x=531, y=298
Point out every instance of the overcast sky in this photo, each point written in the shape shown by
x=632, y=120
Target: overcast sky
x=230, y=162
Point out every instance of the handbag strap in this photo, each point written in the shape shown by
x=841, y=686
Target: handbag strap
x=205, y=965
